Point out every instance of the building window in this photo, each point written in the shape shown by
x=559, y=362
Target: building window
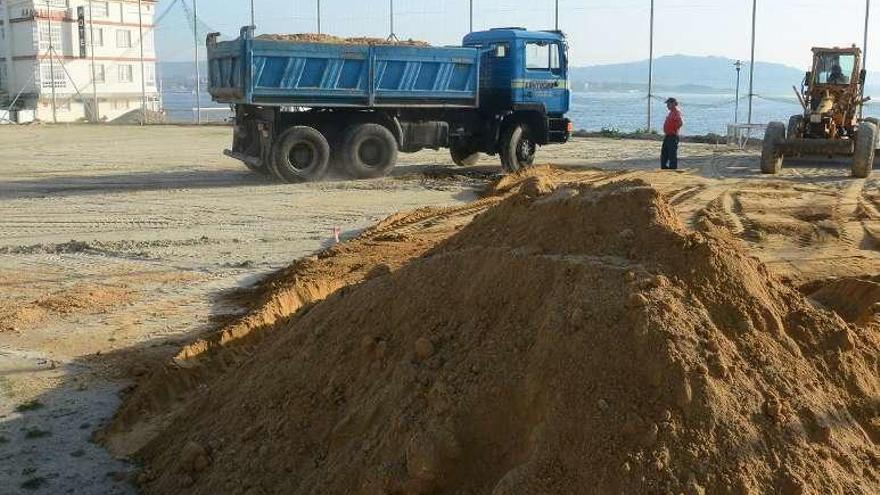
x=151, y=75
x=100, y=9
x=123, y=38
x=98, y=34
x=47, y=77
x=55, y=36
x=126, y=73
x=100, y=74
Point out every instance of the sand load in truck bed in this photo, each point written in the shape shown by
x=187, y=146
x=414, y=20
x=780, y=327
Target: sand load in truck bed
x=336, y=40
x=574, y=341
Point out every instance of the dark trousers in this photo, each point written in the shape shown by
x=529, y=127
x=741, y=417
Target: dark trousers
x=669, y=153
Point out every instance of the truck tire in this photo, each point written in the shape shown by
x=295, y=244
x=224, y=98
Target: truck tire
x=771, y=160
x=463, y=155
x=517, y=150
x=865, y=148
x=301, y=154
x=368, y=151
x=794, y=124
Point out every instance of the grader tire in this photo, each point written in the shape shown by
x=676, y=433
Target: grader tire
x=865, y=149
x=876, y=123
x=771, y=160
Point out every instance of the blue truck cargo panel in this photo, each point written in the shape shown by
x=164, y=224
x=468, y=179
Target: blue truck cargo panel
x=284, y=73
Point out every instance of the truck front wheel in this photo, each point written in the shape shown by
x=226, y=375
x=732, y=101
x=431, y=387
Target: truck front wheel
x=517, y=149
x=369, y=151
x=301, y=154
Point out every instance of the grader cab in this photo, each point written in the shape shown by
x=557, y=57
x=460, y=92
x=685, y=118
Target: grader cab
x=831, y=96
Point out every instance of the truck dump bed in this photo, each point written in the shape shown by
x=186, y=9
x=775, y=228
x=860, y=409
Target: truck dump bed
x=289, y=73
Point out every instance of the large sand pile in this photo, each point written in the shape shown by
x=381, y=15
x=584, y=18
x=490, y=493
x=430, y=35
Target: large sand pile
x=576, y=341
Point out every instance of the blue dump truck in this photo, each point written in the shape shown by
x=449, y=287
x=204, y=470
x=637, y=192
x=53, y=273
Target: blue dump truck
x=305, y=108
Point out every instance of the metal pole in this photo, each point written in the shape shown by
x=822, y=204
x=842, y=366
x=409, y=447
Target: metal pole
x=319, y=16
x=650, y=66
x=392, y=36
x=253, y=18
x=143, y=64
x=97, y=115
x=471, y=16
x=198, y=70
x=752, y=63
x=738, y=66
x=557, y=15
x=52, y=64
x=865, y=51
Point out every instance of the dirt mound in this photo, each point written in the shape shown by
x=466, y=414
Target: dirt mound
x=136, y=117
x=80, y=299
x=565, y=338
x=336, y=40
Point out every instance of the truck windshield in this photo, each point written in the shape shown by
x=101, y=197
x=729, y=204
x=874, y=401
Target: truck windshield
x=541, y=55
x=834, y=68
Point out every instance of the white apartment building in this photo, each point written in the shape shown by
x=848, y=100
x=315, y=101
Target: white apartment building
x=89, y=51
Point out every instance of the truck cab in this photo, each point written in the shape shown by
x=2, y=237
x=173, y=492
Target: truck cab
x=523, y=70
x=524, y=77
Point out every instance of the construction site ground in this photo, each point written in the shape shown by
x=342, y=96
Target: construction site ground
x=121, y=245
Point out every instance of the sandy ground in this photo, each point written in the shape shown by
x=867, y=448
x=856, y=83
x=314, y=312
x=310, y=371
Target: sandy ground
x=122, y=237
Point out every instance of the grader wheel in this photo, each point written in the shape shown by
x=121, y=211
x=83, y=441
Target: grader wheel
x=771, y=159
x=865, y=149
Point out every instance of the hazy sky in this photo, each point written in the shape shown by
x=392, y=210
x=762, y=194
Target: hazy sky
x=600, y=31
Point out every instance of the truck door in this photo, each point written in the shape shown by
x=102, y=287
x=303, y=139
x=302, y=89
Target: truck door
x=546, y=77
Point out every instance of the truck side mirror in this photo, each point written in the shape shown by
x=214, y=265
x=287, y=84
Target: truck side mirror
x=808, y=78
x=863, y=76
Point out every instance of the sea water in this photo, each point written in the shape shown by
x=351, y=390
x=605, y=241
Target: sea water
x=621, y=111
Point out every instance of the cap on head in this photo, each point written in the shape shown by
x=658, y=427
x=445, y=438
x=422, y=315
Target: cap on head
x=672, y=100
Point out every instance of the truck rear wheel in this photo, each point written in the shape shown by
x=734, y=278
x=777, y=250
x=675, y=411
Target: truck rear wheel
x=517, y=149
x=369, y=151
x=301, y=154
x=771, y=160
x=463, y=155
x=863, y=157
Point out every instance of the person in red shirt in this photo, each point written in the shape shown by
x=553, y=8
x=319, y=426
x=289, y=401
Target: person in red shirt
x=671, y=128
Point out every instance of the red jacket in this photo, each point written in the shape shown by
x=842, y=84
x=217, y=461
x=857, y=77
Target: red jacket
x=673, y=123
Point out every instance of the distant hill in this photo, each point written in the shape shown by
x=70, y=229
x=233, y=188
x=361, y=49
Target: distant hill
x=690, y=74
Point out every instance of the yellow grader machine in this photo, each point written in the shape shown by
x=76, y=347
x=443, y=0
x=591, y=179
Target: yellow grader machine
x=831, y=124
